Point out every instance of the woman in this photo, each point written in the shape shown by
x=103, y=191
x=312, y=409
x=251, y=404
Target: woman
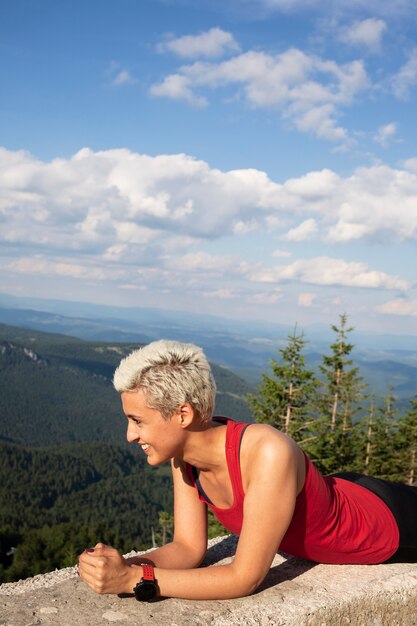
x=257, y=481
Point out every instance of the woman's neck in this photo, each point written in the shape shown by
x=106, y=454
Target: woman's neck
x=205, y=449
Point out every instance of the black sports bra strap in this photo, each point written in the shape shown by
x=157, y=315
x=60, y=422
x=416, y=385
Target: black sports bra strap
x=198, y=485
x=221, y=419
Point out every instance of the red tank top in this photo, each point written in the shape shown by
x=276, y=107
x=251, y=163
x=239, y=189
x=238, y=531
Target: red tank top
x=335, y=521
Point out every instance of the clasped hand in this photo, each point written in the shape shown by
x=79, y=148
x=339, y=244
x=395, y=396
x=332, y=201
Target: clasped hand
x=104, y=570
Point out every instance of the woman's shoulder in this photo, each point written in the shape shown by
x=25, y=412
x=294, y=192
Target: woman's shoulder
x=264, y=444
x=268, y=436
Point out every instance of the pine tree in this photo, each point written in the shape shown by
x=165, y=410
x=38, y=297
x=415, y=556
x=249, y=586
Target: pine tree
x=369, y=435
x=380, y=439
x=165, y=530
x=285, y=399
x=338, y=440
x=407, y=445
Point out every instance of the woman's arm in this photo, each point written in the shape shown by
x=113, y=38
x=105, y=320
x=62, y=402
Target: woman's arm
x=270, y=471
x=104, y=570
x=189, y=543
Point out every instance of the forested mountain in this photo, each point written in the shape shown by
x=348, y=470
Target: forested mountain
x=56, y=389
x=56, y=501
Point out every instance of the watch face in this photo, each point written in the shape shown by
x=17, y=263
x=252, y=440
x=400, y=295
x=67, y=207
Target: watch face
x=145, y=590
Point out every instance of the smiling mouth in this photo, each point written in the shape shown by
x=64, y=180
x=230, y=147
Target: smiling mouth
x=145, y=447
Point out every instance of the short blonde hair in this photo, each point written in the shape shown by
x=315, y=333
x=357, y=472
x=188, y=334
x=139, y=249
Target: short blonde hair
x=170, y=373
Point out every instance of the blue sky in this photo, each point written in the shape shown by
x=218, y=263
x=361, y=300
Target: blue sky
x=253, y=159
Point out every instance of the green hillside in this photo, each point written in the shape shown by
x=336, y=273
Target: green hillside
x=56, y=389
x=64, y=481
x=56, y=501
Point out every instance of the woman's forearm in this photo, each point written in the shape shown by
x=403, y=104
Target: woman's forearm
x=207, y=583
x=173, y=555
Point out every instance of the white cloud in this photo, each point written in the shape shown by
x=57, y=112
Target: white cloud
x=267, y=297
x=367, y=33
x=136, y=219
x=305, y=89
x=152, y=223
x=398, y=307
x=281, y=254
x=213, y=43
x=314, y=186
x=44, y=266
x=346, y=231
x=385, y=134
x=178, y=87
x=202, y=261
x=320, y=121
x=131, y=287
x=330, y=272
x=115, y=252
x=98, y=200
x=122, y=78
x=375, y=202
x=221, y=294
x=119, y=75
x=242, y=228
x=306, y=230
x=307, y=299
x=406, y=79
x=129, y=232
x=411, y=164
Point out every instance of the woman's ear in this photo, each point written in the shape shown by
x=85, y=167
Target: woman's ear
x=185, y=414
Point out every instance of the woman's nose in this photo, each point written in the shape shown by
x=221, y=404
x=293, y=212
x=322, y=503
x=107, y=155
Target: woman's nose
x=132, y=433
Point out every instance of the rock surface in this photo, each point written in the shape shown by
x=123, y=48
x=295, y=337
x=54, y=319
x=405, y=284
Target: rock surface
x=295, y=593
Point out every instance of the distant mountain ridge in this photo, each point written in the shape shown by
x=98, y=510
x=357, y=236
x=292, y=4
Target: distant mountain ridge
x=243, y=347
x=156, y=322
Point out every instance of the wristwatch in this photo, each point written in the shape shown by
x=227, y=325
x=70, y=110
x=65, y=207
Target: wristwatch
x=147, y=587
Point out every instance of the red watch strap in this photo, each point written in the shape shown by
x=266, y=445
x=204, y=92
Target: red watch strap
x=148, y=573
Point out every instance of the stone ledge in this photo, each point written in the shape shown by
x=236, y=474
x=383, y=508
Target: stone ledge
x=295, y=593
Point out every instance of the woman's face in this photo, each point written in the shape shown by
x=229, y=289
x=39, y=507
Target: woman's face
x=159, y=439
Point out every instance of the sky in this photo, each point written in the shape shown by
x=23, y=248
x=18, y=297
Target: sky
x=254, y=159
